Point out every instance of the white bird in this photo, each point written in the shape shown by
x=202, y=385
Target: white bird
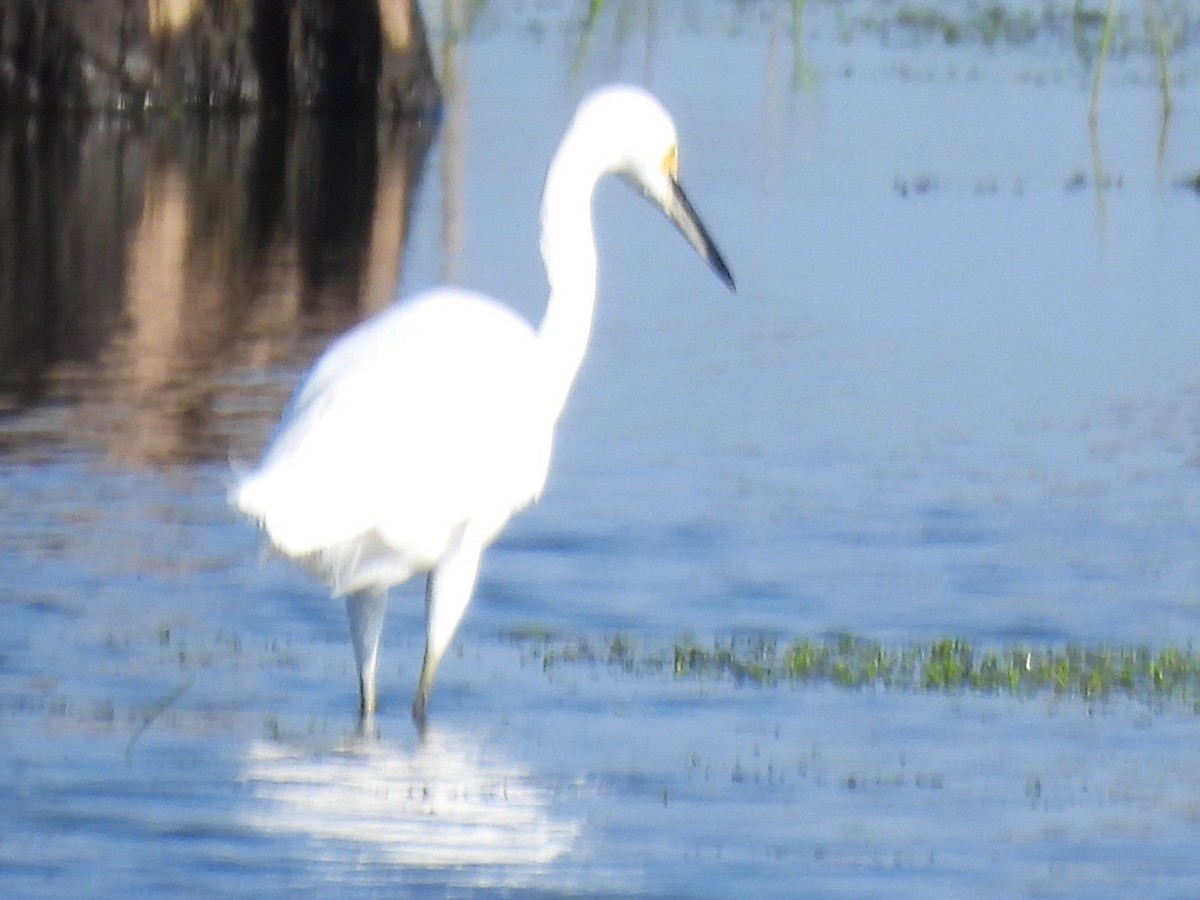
x=420, y=432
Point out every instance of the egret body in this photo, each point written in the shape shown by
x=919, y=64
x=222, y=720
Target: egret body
x=419, y=433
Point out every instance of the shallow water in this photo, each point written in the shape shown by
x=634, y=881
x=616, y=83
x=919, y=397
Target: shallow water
x=957, y=393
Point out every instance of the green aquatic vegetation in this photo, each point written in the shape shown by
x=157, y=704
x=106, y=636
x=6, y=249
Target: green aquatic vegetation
x=956, y=23
x=946, y=665
x=524, y=633
x=1106, y=37
x=990, y=25
x=157, y=710
x=932, y=20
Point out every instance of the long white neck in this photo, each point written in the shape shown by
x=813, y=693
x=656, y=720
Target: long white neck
x=569, y=253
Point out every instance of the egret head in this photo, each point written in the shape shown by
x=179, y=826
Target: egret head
x=641, y=138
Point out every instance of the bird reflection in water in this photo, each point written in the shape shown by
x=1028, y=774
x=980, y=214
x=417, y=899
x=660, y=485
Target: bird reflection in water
x=439, y=804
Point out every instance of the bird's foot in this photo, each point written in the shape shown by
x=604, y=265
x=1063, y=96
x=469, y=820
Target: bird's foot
x=367, y=730
x=419, y=707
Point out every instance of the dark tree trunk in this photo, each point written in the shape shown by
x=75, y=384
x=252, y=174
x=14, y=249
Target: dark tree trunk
x=130, y=55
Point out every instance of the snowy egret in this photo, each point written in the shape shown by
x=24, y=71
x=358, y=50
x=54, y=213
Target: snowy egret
x=420, y=432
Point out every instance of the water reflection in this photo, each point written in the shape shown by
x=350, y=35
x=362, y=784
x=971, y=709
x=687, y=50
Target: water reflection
x=442, y=804
x=140, y=263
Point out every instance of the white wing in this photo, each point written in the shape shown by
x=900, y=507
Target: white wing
x=420, y=421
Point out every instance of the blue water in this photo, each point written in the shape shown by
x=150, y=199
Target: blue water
x=954, y=394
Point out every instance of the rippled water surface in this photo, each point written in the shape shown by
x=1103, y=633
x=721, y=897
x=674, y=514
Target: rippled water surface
x=956, y=394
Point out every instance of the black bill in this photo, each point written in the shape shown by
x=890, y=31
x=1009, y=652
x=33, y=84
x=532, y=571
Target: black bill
x=679, y=209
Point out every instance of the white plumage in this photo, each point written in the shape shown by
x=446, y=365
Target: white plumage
x=420, y=432
x=457, y=440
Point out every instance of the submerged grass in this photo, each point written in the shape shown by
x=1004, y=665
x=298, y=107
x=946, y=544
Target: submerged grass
x=944, y=665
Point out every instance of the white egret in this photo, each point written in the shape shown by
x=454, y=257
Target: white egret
x=420, y=432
